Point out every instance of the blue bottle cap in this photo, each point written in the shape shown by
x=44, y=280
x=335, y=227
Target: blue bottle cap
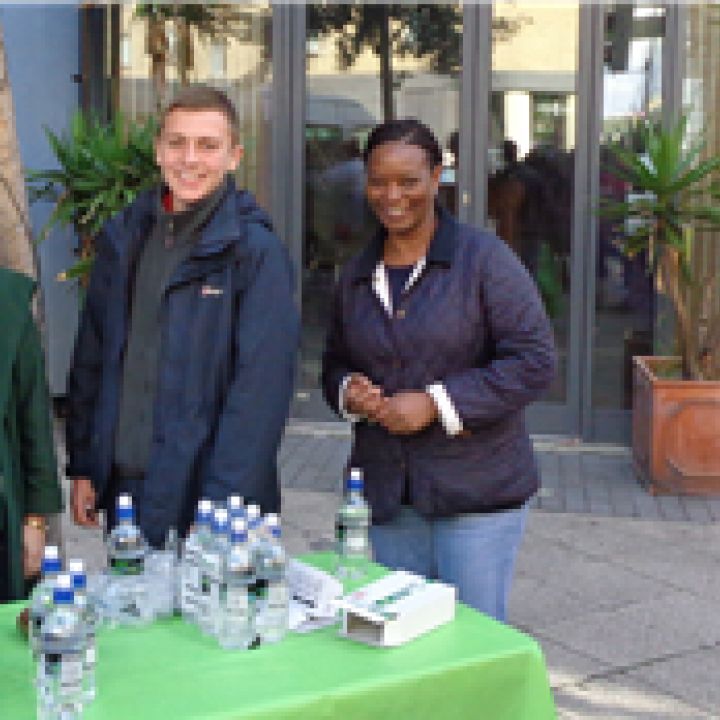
x=50, y=565
x=124, y=507
x=203, y=512
x=77, y=574
x=355, y=479
x=220, y=521
x=62, y=592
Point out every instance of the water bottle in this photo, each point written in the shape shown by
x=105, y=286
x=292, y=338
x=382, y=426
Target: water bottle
x=351, y=530
x=126, y=599
x=271, y=614
x=161, y=575
x=195, y=544
x=211, y=573
x=236, y=629
x=89, y=616
x=254, y=523
x=41, y=600
x=61, y=651
x=236, y=507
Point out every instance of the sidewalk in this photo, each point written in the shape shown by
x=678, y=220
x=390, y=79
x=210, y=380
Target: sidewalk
x=618, y=587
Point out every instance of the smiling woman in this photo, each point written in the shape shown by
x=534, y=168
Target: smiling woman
x=437, y=342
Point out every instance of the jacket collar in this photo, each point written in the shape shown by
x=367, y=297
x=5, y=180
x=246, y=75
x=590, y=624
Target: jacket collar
x=227, y=223
x=440, y=252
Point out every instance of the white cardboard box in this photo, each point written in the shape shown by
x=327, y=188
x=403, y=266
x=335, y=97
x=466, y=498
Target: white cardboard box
x=397, y=608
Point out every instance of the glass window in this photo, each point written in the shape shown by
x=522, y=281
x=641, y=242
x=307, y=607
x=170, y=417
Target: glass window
x=224, y=45
x=625, y=296
x=364, y=63
x=532, y=149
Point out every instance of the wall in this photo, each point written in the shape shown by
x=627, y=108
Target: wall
x=42, y=50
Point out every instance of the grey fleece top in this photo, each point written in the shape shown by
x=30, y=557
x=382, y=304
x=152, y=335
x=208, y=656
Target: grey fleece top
x=170, y=242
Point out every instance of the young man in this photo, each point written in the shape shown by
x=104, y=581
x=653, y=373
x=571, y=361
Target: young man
x=183, y=366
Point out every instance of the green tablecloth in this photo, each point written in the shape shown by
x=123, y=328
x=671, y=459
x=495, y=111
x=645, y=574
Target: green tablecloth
x=473, y=667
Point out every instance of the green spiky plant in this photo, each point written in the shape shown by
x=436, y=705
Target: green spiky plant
x=677, y=197
x=101, y=167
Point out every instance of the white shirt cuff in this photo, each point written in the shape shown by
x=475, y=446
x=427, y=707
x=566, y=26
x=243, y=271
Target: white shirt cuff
x=341, y=402
x=449, y=417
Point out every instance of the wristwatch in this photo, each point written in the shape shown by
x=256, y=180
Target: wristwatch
x=36, y=522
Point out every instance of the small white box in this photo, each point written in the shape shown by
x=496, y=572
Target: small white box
x=396, y=608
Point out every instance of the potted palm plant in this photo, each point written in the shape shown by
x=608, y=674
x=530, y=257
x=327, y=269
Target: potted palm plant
x=101, y=167
x=673, y=213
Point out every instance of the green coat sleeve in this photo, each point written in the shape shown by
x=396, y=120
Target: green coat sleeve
x=37, y=449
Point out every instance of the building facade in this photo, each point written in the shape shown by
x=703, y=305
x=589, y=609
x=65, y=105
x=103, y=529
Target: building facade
x=525, y=97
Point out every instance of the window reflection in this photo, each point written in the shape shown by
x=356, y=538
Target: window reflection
x=532, y=146
x=364, y=64
x=163, y=46
x=625, y=298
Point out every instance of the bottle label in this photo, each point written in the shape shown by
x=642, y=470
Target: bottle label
x=236, y=600
x=277, y=596
x=340, y=531
x=355, y=543
x=71, y=672
x=214, y=597
x=127, y=566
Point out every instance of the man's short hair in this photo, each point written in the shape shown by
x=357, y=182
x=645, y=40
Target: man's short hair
x=203, y=97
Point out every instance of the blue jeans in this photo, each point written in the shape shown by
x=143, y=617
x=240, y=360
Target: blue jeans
x=475, y=552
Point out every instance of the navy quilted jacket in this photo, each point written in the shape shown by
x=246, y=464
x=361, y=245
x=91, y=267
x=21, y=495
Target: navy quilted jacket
x=230, y=333
x=473, y=321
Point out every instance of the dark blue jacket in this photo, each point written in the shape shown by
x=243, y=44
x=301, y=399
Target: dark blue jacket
x=226, y=364
x=474, y=322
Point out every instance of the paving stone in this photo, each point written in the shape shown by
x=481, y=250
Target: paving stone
x=666, y=623
x=622, y=698
x=566, y=667
x=671, y=508
x=714, y=507
x=694, y=677
x=697, y=509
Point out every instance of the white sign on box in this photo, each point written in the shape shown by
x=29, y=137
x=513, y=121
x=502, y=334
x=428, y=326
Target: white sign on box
x=397, y=608
x=314, y=596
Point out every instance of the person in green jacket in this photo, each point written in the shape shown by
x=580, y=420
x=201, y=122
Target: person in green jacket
x=29, y=486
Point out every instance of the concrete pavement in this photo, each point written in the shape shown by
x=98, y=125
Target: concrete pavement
x=619, y=588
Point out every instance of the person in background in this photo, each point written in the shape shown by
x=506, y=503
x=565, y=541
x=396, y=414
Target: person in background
x=29, y=486
x=184, y=362
x=437, y=342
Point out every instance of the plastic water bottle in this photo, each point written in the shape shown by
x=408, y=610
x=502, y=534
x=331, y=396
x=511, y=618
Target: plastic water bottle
x=211, y=573
x=236, y=507
x=254, y=523
x=236, y=629
x=126, y=596
x=195, y=544
x=89, y=616
x=61, y=649
x=41, y=600
x=351, y=530
x=161, y=575
x=271, y=614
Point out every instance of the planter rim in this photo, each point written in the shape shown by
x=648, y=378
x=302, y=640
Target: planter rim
x=646, y=363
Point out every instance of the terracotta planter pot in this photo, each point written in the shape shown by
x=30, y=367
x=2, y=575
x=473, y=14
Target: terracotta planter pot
x=675, y=431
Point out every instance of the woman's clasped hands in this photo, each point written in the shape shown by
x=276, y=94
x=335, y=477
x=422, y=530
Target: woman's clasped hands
x=404, y=413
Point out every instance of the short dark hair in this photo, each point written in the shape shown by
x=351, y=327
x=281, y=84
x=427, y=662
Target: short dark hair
x=203, y=97
x=409, y=131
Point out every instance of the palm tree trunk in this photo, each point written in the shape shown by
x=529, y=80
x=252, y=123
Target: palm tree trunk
x=16, y=248
x=157, y=49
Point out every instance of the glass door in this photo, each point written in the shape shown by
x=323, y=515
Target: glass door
x=364, y=64
x=532, y=156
